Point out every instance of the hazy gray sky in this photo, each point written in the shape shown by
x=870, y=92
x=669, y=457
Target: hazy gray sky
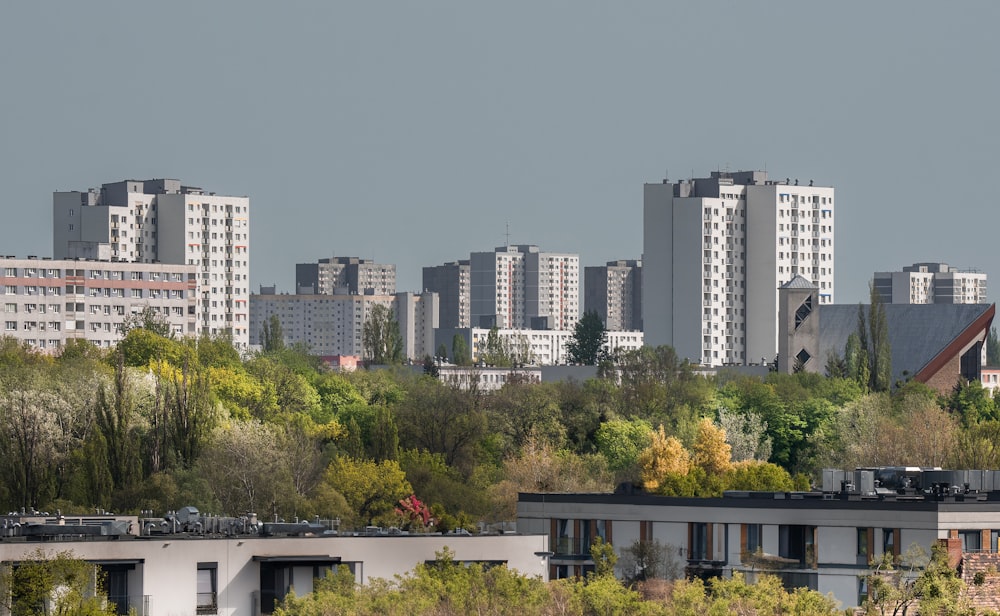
x=412, y=132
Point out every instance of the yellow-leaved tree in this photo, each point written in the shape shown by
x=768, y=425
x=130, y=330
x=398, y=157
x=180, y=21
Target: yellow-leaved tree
x=710, y=450
x=664, y=456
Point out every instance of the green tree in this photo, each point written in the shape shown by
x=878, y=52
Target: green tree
x=496, y=352
x=272, y=337
x=916, y=580
x=243, y=469
x=460, y=351
x=42, y=584
x=880, y=352
x=621, y=441
x=149, y=319
x=383, y=344
x=992, y=348
x=589, y=337
x=371, y=489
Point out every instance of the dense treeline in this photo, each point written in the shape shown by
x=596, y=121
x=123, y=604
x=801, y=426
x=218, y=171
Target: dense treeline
x=159, y=423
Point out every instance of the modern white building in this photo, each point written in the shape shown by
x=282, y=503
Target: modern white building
x=614, y=292
x=334, y=324
x=162, y=221
x=534, y=347
x=228, y=567
x=824, y=541
x=47, y=302
x=520, y=286
x=451, y=281
x=715, y=251
x=345, y=275
x=931, y=283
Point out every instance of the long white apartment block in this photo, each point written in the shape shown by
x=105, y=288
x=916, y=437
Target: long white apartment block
x=534, y=347
x=334, y=324
x=163, y=221
x=931, y=283
x=520, y=286
x=715, y=251
x=47, y=302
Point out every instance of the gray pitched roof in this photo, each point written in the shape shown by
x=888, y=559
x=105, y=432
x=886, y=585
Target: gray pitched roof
x=798, y=282
x=917, y=332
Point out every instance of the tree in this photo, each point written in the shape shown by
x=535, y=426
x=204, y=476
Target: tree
x=244, y=470
x=710, y=450
x=60, y=583
x=746, y=434
x=664, y=456
x=150, y=320
x=460, y=351
x=621, y=441
x=372, y=489
x=383, y=344
x=589, y=337
x=928, y=583
x=496, y=352
x=272, y=337
x=880, y=353
x=992, y=348
x=440, y=419
x=650, y=559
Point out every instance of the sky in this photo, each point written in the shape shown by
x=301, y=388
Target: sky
x=417, y=132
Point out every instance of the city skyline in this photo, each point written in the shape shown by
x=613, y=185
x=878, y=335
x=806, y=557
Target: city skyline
x=416, y=135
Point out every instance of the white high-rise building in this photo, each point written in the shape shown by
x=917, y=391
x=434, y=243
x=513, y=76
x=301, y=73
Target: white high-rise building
x=716, y=250
x=520, y=286
x=150, y=221
x=931, y=283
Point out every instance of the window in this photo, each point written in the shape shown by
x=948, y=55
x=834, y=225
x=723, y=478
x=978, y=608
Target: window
x=207, y=584
x=10, y=289
x=864, y=539
x=10, y=326
x=10, y=308
x=698, y=541
x=754, y=540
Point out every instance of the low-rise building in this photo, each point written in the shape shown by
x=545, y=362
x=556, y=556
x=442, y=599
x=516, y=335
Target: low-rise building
x=187, y=563
x=823, y=540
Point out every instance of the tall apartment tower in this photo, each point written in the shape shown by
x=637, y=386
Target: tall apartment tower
x=150, y=221
x=451, y=281
x=520, y=286
x=345, y=275
x=931, y=283
x=614, y=292
x=715, y=252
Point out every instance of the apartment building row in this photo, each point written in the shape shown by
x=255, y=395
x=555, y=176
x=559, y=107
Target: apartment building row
x=49, y=301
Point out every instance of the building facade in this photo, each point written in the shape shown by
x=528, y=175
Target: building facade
x=47, y=302
x=517, y=287
x=344, y=276
x=822, y=540
x=163, y=221
x=234, y=567
x=715, y=251
x=451, y=281
x=334, y=324
x=614, y=292
x=931, y=283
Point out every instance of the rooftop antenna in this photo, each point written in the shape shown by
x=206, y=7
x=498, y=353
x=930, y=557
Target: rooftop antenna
x=508, y=234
